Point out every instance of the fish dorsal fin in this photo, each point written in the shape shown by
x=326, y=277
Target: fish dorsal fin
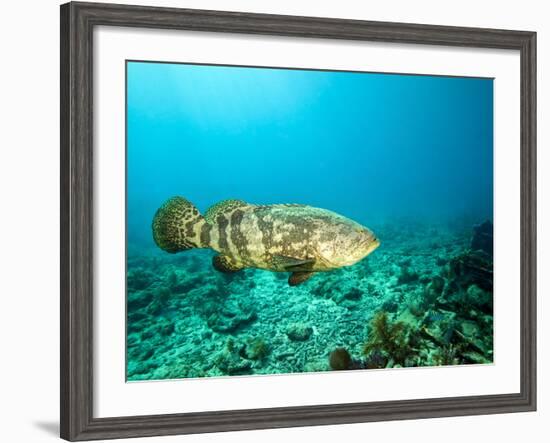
x=293, y=264
x=289, y=205
x=281, y=206
x=223, y=207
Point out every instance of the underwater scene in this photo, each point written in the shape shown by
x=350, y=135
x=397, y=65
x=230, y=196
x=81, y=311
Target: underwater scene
x=291, y=220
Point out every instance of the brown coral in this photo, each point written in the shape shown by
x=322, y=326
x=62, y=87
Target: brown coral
x=388, y=338
x=340, y=359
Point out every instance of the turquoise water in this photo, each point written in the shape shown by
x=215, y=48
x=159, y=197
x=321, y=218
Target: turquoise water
x=410, y=157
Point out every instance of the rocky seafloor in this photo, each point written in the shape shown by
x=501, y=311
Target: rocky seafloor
x=423, y=298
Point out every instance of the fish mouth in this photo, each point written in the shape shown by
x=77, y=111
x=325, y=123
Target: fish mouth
x=372, y=244
x=369, y=245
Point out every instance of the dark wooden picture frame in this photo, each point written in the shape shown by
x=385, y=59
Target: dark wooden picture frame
x=77, y=23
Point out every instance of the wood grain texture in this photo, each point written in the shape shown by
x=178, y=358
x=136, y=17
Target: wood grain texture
x=76, y=307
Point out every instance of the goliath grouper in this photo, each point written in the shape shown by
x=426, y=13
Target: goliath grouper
x=291, y=238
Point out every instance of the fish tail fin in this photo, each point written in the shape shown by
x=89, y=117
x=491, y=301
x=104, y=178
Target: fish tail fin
x=179, y=226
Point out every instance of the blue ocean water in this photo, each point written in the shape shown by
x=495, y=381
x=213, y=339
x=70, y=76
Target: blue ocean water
x=409, y=156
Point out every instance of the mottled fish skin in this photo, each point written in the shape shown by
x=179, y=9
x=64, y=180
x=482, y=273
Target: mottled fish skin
x=178, y=226
x=258, y=236
x=286, y=238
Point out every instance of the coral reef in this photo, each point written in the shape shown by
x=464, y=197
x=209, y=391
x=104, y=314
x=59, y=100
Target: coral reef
x=482, y=238
x=424, y=298
x=299, y=331
x=472, y=267
x=407, y=276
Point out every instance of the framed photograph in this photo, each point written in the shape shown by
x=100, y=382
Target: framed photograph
x=273, y=221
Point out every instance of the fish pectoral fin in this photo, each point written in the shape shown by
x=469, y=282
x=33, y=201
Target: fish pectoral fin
x=292, y=264
x=297, y=278
x=224, y=263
